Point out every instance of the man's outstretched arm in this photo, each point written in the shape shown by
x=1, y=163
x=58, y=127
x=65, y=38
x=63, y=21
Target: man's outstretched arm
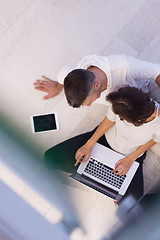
x=53, y=88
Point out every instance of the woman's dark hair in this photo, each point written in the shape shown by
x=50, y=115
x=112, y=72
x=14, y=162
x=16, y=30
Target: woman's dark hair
x=77, y=86
x=131, y=104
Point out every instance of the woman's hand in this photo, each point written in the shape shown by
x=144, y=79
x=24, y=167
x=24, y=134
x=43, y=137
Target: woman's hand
x=123, y=165
x=83, y=153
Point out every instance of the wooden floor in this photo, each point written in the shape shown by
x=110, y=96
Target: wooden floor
x=40, y=37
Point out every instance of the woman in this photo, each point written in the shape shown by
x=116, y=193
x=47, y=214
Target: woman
x=131, y=127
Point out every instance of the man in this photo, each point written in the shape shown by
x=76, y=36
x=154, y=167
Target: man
x=95, y=76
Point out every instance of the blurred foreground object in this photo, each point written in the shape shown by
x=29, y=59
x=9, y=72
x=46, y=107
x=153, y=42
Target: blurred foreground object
x=137, y=219
x=17, y=155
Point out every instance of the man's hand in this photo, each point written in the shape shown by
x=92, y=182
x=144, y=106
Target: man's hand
x=53, y=88
x=123, y=166
x=83, y=153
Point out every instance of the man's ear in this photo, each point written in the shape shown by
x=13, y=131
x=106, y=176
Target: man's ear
x=96, y=85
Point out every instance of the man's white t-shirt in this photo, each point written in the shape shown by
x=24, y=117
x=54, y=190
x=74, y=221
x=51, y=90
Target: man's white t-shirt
x=125, y=138
x=120, y=70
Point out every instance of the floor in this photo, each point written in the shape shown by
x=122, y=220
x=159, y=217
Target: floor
x=40, y=37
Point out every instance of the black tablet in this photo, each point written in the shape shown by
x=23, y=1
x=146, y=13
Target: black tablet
x=45, y=122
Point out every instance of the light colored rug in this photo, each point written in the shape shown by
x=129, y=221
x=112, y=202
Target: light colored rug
x=151, y=169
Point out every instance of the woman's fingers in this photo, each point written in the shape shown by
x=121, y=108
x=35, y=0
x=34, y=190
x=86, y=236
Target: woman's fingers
x=80, y=159
x=82, y=154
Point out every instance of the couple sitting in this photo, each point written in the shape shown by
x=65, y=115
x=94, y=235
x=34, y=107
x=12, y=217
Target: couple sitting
x=131, y=125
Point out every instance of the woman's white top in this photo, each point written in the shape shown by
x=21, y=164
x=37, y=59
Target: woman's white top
x=125, y=138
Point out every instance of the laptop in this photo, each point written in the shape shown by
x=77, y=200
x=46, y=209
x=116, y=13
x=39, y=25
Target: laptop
x=96, y=172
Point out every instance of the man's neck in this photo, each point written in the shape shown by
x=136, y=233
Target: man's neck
x=153, y=116
x=100, y=76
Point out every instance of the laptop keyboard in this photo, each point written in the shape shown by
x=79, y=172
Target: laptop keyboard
x=104, y=173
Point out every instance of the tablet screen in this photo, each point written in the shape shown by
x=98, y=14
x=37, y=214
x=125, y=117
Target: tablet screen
x=44, y=122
